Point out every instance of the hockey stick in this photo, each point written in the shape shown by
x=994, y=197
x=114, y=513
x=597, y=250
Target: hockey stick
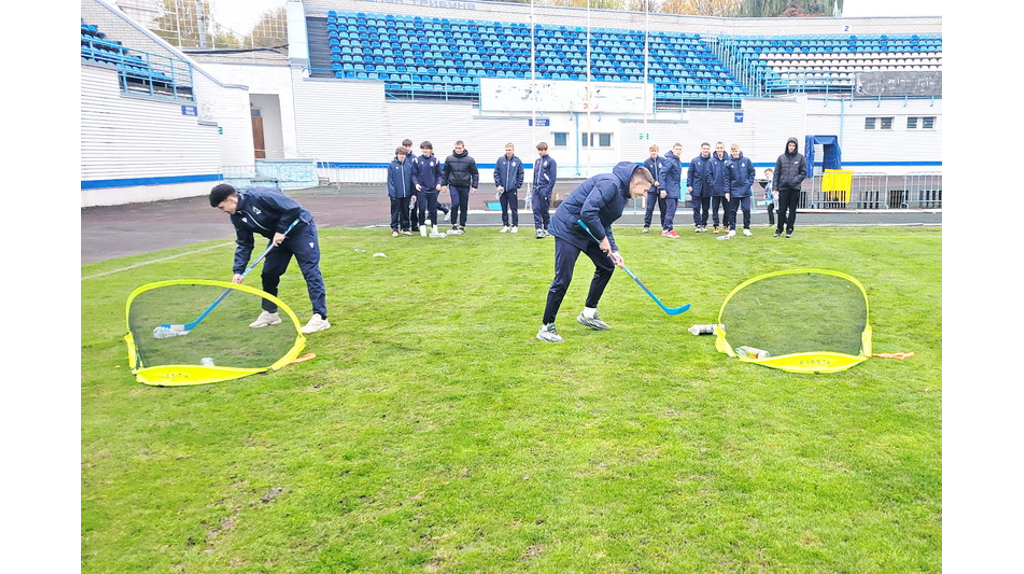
x=669, y=310
x=168, y=330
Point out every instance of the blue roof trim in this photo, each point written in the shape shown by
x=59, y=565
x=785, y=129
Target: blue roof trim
x=128, y=182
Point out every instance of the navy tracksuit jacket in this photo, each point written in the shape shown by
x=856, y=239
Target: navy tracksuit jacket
x=598, y=202
x=266, y=211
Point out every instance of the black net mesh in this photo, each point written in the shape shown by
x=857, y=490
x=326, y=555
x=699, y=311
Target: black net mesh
x=223, y=337
x=797, y=313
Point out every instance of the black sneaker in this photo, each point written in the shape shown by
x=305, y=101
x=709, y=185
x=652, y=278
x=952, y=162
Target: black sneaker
x=789, y=234
x=777, y=233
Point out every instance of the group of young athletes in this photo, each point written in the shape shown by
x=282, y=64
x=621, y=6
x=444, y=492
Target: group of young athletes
x=582, y=223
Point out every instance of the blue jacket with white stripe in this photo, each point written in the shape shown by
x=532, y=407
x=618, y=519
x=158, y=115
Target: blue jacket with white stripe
x=545, y=173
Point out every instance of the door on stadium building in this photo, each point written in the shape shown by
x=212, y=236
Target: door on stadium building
x=257, y=134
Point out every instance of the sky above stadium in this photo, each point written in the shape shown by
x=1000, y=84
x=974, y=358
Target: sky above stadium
x=891, y=8
x=242, y=15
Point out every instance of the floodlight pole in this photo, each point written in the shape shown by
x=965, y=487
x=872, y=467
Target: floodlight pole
x=647, y=44
x=590, y=140
x=533, y=76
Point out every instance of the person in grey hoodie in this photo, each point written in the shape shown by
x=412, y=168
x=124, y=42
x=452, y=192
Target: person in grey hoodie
x=790, y=171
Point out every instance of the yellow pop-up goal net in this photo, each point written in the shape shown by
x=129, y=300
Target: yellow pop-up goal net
x=193, y=332
x=799, y=320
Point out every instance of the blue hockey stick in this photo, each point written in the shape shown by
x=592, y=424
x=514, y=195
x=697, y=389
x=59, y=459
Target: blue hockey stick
x=669, y=310
x=168, y=330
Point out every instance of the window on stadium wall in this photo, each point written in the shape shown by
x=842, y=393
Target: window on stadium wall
x=921, y=123
x=596, y=139
x=878, y=123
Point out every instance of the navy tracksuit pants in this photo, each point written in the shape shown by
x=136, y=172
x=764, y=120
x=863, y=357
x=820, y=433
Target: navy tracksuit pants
x=701, y=204
x=652, y=200
x=400, y=214
x=304, y=245
x=737, y=204
x=509, y=202
x=566, y=255
x=670, y=213
x=541, y=204
x=718, y=201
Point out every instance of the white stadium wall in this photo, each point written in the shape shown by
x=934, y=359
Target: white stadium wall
x=373, y=123
x=352, y=127
x=136, y=148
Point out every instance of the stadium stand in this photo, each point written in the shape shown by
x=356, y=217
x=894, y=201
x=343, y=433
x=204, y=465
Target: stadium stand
x=789, y=64
x=421, y=57
x=139, y=72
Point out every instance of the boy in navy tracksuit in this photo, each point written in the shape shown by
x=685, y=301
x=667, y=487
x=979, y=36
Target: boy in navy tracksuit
x=698, y=184
x=269, y=212
x=671, y=180
x=400, y=189
x=740, y=175
x=545, y=174
x=426, y=178
x=508, y=178
x=597, y=202
x=719, y=188
x=653, y=165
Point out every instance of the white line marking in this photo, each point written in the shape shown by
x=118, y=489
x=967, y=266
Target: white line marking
x=161, y=260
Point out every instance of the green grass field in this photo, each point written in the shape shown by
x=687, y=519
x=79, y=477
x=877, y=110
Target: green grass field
x=434, y=433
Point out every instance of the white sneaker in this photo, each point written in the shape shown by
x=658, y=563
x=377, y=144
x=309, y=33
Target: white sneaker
x=504, y=229
x=747, y=232
x=732, y=233
x=513, y=229
x=265, y=318
x=423, y=231
x=316, y=323
x=550, y=334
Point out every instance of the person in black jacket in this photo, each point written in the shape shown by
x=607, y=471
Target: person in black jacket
x=461, y=178
x=269, y=212
x=790, y=171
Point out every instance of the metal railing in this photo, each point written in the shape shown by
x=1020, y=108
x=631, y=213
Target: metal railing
x=915, y=190
x=143, y=72
x=923, y=190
